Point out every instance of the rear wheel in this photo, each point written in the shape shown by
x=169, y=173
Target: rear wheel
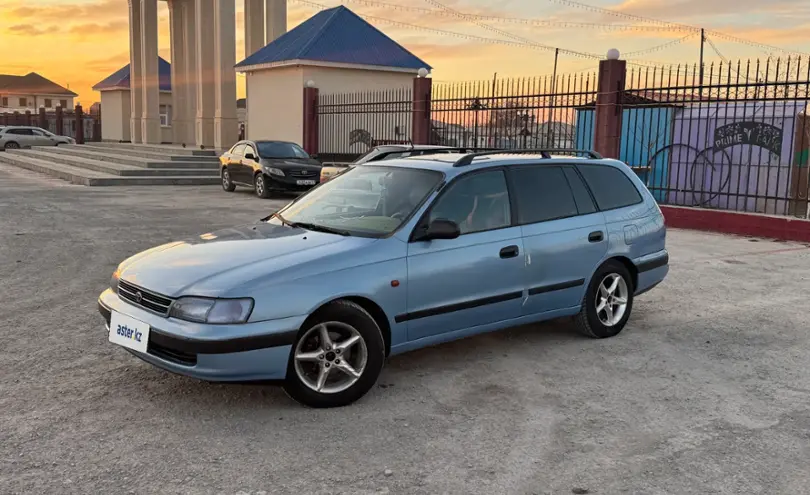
x=260, y=184
x=11, y=145
x=227, y=183
x=608, y=302
x=336, y=358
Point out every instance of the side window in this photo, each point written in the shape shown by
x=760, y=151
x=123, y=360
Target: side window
x=38, y=133
x=238, y=150
x=542, y=194
x=249, y=150
x=611, y=188
x=476, y=203
x=581, y=195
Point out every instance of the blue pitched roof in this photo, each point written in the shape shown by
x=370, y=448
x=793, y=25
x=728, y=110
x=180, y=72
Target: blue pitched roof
x=336, y=35
x=120, y=78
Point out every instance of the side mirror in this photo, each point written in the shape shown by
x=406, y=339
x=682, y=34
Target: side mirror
x=250, y=156
x=440, y=228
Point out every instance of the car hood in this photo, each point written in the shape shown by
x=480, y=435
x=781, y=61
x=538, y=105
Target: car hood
x=285, y=163
x=226, y=263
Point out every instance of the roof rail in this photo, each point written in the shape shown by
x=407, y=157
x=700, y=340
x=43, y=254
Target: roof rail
x=544, y=152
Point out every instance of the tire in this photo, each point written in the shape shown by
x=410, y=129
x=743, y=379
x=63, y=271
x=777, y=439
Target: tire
x=227, y=183
x=595, y=324
x=309, y=358
x=260, y=186
x=11, y=145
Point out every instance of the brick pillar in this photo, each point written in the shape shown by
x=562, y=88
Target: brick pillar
x=608, y=128
x=28, y=120
x=42, y=118
x=97, y=125
x=79, y=115
x=16, y=120
x=310, y=120
x=60, y=125
x=422, y=90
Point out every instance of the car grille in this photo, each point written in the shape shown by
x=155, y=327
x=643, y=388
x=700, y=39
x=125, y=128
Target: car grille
x=303, y=173
x=173, y=355
x=144, y=298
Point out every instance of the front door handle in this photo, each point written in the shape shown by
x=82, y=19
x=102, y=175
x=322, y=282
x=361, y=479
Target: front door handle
x=510, y=252
x=597, y=236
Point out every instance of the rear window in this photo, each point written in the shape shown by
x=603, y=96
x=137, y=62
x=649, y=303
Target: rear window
x=611, y=188
x=542, y=194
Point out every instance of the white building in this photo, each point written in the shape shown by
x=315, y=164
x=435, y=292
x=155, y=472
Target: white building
x=32, y=91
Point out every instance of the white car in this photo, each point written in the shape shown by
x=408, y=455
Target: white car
x=16, y=137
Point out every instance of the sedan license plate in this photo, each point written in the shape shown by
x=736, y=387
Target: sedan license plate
x=128, y=332
x=305, y=182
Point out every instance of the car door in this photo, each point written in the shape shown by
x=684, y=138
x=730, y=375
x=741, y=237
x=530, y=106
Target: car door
x=39, y=138
x=563, y=235
x=249, y=165
x=475, y=279
x=235, y=162
x=23, y=137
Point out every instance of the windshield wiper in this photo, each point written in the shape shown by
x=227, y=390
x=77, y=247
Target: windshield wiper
x=319, y=228
x=283, y=220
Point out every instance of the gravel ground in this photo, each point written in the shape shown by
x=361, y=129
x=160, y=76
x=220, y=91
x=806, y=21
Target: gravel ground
x=706, y=391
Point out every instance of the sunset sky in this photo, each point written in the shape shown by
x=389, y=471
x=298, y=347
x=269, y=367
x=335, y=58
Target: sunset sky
x=77, y=43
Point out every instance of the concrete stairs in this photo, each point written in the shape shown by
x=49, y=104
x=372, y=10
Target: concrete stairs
x=113, y=164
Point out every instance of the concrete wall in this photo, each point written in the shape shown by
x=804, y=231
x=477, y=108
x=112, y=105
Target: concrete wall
x=276, y=104
x=330, y=80
x=115, y=114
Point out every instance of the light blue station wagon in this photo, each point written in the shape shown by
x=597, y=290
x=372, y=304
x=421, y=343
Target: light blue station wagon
x=390, y=257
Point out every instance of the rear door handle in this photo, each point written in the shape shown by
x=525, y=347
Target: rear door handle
x=597, y=236
x=510, y=252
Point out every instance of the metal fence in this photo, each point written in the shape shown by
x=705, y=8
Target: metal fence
x=739, y=140
x=349, y=124
x=511, y=113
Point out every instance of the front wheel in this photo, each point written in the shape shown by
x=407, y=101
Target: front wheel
x=337, y=357
x=607, y=303
x=260, y=184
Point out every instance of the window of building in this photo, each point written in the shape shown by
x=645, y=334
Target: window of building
x=4, y=102
x=48, y=103
x=476, y=203
x=610, y=186
x=165, y=115
x=23, y=102
x=63, y=103
x=542, y=194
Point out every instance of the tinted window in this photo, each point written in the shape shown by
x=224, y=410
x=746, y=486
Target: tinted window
x=249, y=150
x=21, y=132
x=274, y=149
x=581, y=195
x=542, y=194
x=611, y=188
x=477, y=202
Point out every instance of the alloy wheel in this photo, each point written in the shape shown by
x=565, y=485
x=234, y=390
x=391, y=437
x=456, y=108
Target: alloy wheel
x=226, y=178
x=260, y=185
x=611, y=300
x=330, y=357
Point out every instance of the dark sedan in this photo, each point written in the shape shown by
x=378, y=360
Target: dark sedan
x=269, y=166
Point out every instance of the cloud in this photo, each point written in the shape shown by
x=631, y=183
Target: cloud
x=31, y=30
x=665, y=9
x=64, y=11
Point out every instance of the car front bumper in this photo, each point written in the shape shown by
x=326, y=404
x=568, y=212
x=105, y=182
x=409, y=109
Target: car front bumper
x=290, y=183
x=247, y=352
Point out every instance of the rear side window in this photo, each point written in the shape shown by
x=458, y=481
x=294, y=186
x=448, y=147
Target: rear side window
x=581, y=196
x=239, y=150
x=542, y=194
x=610, y=187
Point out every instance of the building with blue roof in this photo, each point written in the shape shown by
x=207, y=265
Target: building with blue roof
x=338, y=52
x=116, y=103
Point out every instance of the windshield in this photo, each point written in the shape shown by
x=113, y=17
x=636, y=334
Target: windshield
x=272, y=149
x=369, y=201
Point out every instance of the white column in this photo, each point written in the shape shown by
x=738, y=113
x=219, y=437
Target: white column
x=276, y=11
x=206, y=68
x=254, y=26
x=179, y=98
x=226, y=130
x=190, y=70
x=150, y=125
x=135, y=83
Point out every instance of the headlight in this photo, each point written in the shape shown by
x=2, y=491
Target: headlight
x=114, y=280
x=274, y=171
x=205, y=310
